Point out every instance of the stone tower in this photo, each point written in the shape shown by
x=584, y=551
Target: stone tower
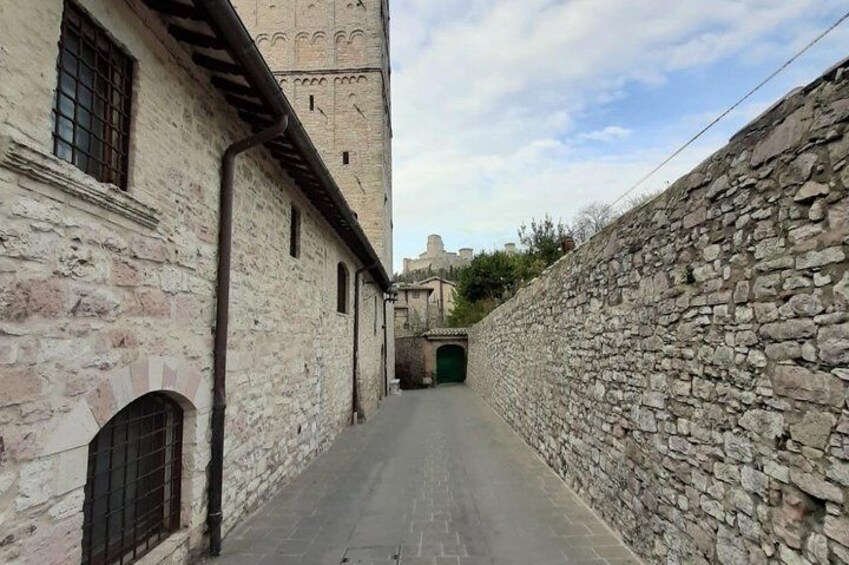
x=331, y=58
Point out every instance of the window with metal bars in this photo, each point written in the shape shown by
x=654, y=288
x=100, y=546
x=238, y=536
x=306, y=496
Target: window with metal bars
x=295, y=232
x=132, y=493
x=93, y=97
x=342, y=288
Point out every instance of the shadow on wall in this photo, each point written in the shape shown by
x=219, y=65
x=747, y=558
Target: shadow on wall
x=409, y=362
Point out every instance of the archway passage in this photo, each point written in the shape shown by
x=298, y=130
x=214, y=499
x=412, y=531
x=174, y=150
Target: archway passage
x=450, y=364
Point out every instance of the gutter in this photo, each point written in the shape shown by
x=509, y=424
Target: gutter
x=222, y=319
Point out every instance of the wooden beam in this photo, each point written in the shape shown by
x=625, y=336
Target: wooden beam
x=247, y=105
x=217, y=65
x=196, y=38
x=232, y=87
x=176, y=9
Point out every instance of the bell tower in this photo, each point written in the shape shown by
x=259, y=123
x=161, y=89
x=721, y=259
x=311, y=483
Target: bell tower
x=331, y=58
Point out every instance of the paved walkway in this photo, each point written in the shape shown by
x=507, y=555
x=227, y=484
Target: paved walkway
x=436, y=477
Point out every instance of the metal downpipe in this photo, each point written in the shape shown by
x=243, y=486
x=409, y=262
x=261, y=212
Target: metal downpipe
x=357, y=412
x=222, y=317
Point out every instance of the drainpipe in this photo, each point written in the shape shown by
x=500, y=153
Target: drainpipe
x=222, y=314
x=386, y=300
x=357, y=413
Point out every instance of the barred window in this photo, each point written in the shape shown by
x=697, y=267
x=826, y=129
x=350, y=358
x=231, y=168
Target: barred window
x=295, y=232
x=342, y=288
x=92, y=105
x=132, y=493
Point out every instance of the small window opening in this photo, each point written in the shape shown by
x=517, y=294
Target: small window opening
x=295, y=233
x=342, y=288
x=346, y=158
x=312, y=103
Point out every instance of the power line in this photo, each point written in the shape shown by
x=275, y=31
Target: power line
x=734, y=106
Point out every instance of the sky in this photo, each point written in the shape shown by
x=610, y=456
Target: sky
x=507, y=110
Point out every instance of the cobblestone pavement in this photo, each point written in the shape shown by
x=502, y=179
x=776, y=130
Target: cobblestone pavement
x=436, y=478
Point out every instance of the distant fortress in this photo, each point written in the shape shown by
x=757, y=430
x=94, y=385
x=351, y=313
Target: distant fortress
x=436, y=258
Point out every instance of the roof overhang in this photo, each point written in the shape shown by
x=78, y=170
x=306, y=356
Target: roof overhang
x=219, y=43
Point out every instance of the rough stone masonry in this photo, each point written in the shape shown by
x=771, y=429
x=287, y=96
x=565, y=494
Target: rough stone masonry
x=687, y=369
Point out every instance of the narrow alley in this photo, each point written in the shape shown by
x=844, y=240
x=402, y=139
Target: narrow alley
x=437, y=477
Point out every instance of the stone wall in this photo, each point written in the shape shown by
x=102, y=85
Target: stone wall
x=686, y=369
x=106, y=295
x=410, y=361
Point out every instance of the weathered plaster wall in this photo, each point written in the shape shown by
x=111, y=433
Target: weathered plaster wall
x=687, y=369
x=98, y=305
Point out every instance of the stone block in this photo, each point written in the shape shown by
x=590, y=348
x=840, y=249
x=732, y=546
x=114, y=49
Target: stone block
x=789, y=329
x=816, y=486
x=33, y=298
x=837, y=528
x=814, y=259
x=814, y=429
x=19, y=385
x=34, y=484
x=811, y=190
x=77, y=428
x=763, y=422
x=833, y=342
x=799, y=383
x=69, y=470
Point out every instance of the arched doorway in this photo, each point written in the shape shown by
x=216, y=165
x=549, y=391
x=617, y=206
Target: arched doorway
x=450, y=364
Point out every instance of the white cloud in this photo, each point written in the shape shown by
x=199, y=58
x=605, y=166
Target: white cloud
x=608, y=134
x=488, y=93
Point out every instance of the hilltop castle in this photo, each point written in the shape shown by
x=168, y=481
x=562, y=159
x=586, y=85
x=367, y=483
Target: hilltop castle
x=331, y=59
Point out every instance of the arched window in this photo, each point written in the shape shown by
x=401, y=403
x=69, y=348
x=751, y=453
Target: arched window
x=342, y=288
x=132, y=493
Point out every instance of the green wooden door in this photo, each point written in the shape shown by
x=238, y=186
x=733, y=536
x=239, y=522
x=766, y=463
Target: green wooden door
x=450, y=364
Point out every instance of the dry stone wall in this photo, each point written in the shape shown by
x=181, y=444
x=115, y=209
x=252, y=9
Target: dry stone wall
x=687, y=369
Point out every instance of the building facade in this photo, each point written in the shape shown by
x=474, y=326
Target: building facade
x=110, y=187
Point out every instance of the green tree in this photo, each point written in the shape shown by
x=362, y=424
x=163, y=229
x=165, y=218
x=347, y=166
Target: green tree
x=489, y=280
x=543, y=241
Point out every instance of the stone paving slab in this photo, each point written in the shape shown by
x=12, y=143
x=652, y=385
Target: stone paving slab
x=436, y=478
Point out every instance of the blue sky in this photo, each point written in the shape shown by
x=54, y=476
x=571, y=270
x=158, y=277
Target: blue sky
x=504, y=110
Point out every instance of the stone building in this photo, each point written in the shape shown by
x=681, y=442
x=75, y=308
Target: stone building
x=423, y=305
x=331, y=58
x=441, y=299
x=436, y=258
x=114, y=122
x=686, y=370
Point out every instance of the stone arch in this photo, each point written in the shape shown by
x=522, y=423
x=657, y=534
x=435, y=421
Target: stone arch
x=350, y=48
x=66, y=448
x=276, y=50
x=311, y=51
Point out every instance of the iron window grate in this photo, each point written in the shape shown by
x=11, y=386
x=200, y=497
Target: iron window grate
x=132, y=493
x=342, y=288
x=93, y=97
x=295, y=232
